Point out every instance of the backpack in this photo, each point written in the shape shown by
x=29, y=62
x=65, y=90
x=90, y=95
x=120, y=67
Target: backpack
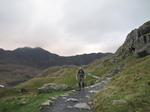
x=81, y=73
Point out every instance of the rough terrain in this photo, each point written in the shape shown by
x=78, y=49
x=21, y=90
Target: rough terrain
x=80, y=101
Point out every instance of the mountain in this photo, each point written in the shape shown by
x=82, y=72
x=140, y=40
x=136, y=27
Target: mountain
x=42, y=59
x=128, y=69
x=15, y=66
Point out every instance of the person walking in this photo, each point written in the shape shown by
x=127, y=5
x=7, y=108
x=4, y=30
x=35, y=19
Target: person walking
x=80, y=76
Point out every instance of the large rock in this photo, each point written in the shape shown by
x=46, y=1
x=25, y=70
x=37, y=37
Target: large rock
x=83, y=106
x=137, y=42
x=52, y=87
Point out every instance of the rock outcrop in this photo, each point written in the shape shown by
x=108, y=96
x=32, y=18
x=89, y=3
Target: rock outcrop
x=52, y=87
x=115, y=71
x=137, y=42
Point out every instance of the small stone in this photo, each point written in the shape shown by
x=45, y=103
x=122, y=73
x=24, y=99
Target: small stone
x=118, y=101
x=53, y=98
x=73, y=100
x=93, y=91
x=87, y=87
x=90, y=103
x=64, y=98
x=70, y=107
x=73, y=91
x=87, y=97
x=92, y=86
x=23, y=103
x=47, y=103
x=82, y=106
x=138, y=78
x=64, y=95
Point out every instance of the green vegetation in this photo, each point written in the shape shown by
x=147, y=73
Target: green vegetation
x=35, y=83
x=148, y=34
x=65, y=74
x=25, y=102
x=10, y=73
x=129, y=90
x=145, y=25
x=11, y=100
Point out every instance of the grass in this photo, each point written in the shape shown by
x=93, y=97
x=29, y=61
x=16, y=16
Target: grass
x=11, y=100
x=148, y=34
x=25, y=102
x=131, y=85
x=33, y=84
x=65, y=75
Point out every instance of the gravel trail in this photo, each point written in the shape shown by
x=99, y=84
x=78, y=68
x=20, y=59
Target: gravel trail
x=80, y=101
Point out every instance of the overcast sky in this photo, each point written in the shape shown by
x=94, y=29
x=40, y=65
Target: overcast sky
x=70, y=27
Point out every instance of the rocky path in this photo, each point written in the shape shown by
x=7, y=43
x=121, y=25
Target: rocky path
x=79, y=101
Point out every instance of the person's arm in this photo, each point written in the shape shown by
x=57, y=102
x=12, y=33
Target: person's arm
x=84, y=74
x=77, y=75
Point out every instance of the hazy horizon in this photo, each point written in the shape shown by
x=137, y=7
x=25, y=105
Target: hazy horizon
x=52, y=52
x=70, y=27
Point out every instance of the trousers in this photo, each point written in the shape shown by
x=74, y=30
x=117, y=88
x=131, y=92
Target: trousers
x=81, y=82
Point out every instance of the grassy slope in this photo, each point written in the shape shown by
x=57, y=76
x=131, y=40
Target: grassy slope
x=132, y=85
x=65, y=74
x=16, y=73
x=25, y=102
x=101, y=67
x=12, y=100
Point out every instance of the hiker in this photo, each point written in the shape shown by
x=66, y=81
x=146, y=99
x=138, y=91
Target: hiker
x=80, y=76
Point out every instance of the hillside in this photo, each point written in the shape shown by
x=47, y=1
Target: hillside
x=128, y=68
x=25, y=63
x=42, y=59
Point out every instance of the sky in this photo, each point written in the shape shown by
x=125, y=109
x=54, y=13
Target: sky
x=70, y=27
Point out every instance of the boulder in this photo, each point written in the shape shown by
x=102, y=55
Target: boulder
x=137, y=42
x=52, y=87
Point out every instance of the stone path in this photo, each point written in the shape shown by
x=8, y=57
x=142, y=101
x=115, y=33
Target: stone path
x=80, y=101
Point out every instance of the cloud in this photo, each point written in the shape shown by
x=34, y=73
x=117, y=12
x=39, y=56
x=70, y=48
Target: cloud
x=69, y=27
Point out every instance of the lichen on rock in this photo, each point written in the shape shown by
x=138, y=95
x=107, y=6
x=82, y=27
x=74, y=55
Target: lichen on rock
x=52, y=87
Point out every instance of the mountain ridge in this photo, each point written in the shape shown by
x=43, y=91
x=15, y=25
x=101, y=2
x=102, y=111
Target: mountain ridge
x=14, y=65
x=40, y=58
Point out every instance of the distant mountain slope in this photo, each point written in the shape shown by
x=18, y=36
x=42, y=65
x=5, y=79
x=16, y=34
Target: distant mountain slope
x=25, y=63
x=40, y=58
